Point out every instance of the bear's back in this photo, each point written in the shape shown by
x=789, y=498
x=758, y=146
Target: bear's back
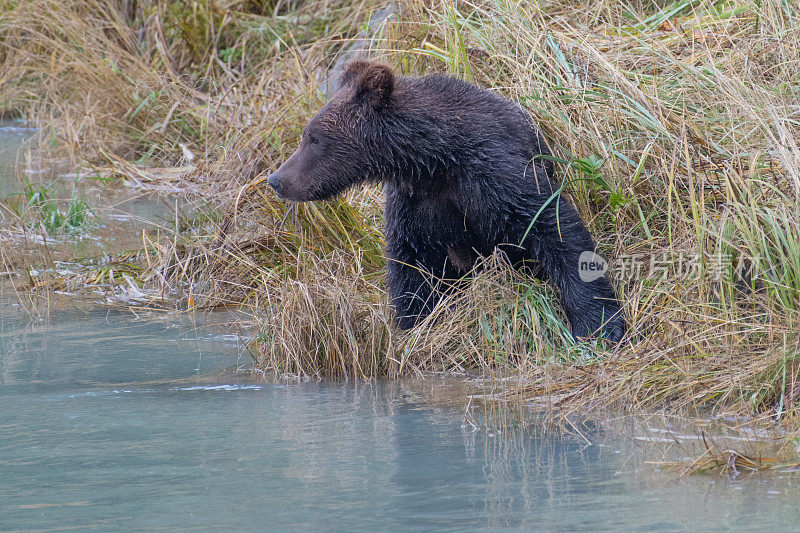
x=473, y=115
x=443, y=93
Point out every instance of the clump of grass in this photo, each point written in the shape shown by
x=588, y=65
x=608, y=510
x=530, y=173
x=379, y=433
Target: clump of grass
x=141, y=84
x=116, y=273
x=39, y=199
x=673, y=133
x=730, y=463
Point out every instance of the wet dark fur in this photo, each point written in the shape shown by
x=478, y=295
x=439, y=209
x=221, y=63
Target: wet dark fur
x=462, y=178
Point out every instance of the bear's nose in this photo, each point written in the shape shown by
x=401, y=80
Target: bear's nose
x=274, y=180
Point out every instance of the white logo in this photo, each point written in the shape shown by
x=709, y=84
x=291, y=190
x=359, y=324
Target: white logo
x=591, y=266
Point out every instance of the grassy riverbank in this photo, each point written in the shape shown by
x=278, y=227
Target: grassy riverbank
x=677, y=123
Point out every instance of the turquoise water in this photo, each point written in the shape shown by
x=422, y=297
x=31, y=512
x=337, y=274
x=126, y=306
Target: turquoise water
x=111, y=420
x=12, y=137
x=116, y=215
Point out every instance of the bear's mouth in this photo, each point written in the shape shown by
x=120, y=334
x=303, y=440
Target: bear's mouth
x=294, y=195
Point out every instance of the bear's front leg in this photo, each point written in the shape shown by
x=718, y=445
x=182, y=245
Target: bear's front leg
x=412, y=279
x=419, y=271
x=560, y=242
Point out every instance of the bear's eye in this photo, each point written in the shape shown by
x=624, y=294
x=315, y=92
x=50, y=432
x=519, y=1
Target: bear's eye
x=312, y=140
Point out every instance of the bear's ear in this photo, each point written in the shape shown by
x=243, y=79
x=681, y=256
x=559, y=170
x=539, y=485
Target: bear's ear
x=353, y=71
x=373, y=82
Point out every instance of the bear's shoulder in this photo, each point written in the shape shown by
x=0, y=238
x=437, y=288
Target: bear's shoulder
x=448, y=85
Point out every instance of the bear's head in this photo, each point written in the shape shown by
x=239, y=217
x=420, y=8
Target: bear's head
x=337, y=147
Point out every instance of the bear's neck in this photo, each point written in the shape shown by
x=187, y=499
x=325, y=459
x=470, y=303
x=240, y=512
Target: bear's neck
x=415, y=151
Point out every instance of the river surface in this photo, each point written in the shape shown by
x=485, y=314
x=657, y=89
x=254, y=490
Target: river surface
x=123, y=420
x=117, y=212
x=110, y=421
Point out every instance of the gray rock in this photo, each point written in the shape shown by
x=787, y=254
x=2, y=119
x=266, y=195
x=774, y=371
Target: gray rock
x=359, y=48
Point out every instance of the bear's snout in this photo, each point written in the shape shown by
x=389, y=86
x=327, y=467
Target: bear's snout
x=275, y=181
x=285, y=186
x=288, y=181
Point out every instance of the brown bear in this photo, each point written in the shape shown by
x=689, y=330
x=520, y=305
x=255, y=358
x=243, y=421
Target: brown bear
x=463, y=176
